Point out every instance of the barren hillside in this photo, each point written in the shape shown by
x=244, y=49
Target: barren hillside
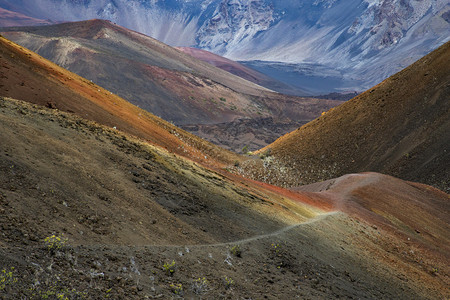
x=89, y=212
x=400, y=127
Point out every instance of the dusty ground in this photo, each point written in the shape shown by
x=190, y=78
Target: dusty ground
x=127, y=209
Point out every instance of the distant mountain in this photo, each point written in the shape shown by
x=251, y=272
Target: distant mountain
x=399, y=127
x=242, y=71
x=168, y=82
x=11, y=18
x=350, y=45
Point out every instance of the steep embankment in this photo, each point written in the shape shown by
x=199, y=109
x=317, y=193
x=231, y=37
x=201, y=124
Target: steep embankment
x=400, y=127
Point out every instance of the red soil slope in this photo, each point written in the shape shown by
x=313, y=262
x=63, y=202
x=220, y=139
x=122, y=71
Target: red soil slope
x=170, y=83
x=27, y=76
x=418, y=212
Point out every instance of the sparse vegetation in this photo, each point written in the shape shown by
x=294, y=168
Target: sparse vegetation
x=236, y=251
x=169, y=268
x=266, y=154
x=7, y=278
x=55, y=242
x=59, y=293
x=245, y=150
x=223, y=99
x=227, y=282
x=177, y=289
x=276, y=249
x=200, y=285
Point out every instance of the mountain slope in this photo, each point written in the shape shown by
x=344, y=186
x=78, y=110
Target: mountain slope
x=162, y=80
x=410, y=209
x=365, y=41
x=145, y=222
x=400, y=127
x=11, y=18
x=128, y=208
x=145, y=71
x=29, y=77
x=241, y=71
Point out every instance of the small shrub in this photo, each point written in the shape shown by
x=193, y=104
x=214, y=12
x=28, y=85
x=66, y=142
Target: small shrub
x=223, y=99
x=169, y=268
x=266, y=154
x=276, y=249
x=200, y=285
x=177, y=289
x=236, y=250
x=227, y=282
x=245, y=150
x=55, y=242
x=59, y=292
x=7, y=278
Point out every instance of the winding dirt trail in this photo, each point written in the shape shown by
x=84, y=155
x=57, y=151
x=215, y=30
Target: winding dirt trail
x=272, y=234
x=318, y=218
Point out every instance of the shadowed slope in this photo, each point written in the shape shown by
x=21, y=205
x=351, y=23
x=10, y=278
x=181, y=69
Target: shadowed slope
x=400, y=127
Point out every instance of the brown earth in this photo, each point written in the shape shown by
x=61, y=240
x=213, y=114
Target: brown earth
x=400, y=127
x=128, y=208
x=165, y=81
